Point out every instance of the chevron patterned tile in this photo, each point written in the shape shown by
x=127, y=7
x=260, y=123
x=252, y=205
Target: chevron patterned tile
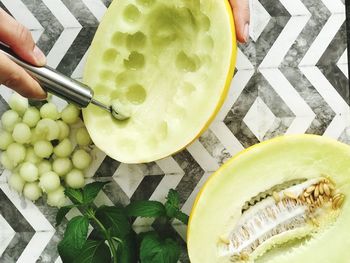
x=292, y=77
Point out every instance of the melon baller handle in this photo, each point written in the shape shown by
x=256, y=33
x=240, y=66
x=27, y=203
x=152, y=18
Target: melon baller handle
x=57, y=83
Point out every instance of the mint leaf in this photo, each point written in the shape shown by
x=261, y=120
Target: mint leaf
x=155, y=250
x=127, y=251
x=172, y=205
x=96, y=235
x=146, y=209
x=94, y=252
x=173, y=198
x=62, y=213
x=90, y=191
x=114, y=219
x=75, y=195
x=74, y=238
x=182, y=217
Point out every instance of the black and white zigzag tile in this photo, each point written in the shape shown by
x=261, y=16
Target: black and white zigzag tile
x=292, y=77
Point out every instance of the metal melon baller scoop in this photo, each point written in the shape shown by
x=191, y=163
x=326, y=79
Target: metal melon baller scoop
x=61, y=85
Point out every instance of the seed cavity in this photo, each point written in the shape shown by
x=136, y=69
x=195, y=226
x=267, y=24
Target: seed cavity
x=299, y=210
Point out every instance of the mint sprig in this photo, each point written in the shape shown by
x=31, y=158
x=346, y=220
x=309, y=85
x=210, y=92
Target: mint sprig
x=112, y=226
x=156, y=250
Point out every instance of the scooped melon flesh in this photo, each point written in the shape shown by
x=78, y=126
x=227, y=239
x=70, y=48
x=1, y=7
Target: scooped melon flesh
x=167, y=63
x=281, y=201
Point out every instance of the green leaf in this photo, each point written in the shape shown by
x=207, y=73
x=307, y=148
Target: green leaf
x=173, y=198
x=74, y=238
x=182, y=217
x=146, y=209
x=155, y=250
x=75, y=195
x=90, y=191
x=94, y=252
x=114, y=219
x=172, y=205
x=127, y=251
x=96, y=235
x=61, y=213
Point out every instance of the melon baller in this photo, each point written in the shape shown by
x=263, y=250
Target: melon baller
x=60, y=85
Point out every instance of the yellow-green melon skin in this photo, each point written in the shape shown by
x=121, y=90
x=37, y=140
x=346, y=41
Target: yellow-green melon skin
x=218, y=205
x=170, y=63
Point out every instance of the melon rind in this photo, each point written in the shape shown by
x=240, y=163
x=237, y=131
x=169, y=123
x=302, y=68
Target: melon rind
x=166, y=117
x=218, y=205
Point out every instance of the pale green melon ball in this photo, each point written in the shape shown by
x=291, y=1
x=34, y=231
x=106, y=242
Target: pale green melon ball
x=43, y=149
x=16, y=182
x=57, y=198
x=75, y=179
x=32, y=191
x=18, y=103
x=21, y=133
x=49, y=181
x=70, y=114
x=62, y=166
x=29, y=172
x=64, y=130
x=31, y=156
x=81, y=159
x=83, y=137
x=48, y=129
x=44, y=166
x=31, y=117
x=5, y=140
x=6, y=161
x=16, y=153
x=49, y=110
x=64, y=148
x=9, y=119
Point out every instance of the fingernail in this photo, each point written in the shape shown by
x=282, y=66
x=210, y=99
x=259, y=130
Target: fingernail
x=246, y=32
x=42, y=95
x=39, y=56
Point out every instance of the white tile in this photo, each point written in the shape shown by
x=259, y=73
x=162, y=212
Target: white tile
x=62, y=13
x=35, y=247
x=285, y=40
x=295, y=7
x=22, y=14
x=7, y=233
x=32, y=214
x=97, y=8
x=259, y=19
x=259, y=118
x=323, y=39
x=61, y=46
x=334, y=6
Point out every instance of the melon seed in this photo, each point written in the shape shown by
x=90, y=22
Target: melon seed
x=326, y=189
x=276, y=196
x=316, y=192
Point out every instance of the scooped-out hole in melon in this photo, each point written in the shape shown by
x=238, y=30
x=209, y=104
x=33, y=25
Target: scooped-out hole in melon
x=168, y=64
x=281, y=201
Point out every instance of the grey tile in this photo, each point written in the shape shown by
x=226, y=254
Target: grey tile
x=52, y=27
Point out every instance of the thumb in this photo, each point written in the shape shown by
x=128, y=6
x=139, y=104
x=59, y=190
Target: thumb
x=20, y=40
x=241, y=14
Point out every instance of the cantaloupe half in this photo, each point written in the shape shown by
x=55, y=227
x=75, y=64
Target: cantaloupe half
x=167, y=63
x=281, y=201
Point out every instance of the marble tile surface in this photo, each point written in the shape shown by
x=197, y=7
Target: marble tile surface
x=291, y=77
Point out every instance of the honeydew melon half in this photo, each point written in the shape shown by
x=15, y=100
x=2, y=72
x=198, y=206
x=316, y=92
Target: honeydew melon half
x=255, y=208
x=167, y=63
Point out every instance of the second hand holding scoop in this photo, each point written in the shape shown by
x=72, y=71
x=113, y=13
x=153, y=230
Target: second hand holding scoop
x=62, y=86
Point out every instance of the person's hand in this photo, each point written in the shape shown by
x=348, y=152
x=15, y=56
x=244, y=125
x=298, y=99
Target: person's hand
x=241, y=16
x=20, y=40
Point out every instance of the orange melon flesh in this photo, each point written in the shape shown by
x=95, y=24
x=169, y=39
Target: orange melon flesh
x=218, y=206
x=168, y=63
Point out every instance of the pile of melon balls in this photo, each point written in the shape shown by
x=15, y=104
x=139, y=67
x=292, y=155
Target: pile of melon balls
x=42, y=150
